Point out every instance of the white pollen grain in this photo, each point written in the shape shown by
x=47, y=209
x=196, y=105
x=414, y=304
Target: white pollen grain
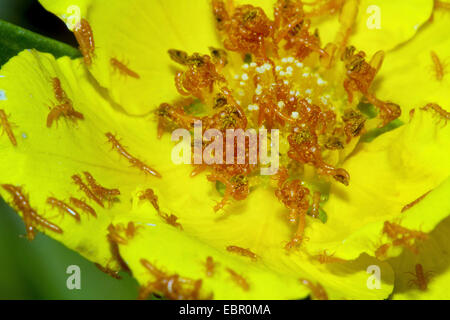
x=305, y=75
x=245, y=77
x=295, y=115
x=290, y=59
x=308, y=91
x=245, y=66
x=281, y=104
x=260, y=70
x=321, y=82
x=3, y=95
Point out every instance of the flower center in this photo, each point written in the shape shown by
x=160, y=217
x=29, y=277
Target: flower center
x=274, y=74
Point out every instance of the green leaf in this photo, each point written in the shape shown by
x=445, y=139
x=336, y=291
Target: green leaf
x=14, y=39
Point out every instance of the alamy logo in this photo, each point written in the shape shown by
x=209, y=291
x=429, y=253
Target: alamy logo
x=374, y=281
x=236, y=147
x=74, y=280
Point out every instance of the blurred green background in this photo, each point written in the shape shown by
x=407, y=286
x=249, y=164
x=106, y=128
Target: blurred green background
x=37, y=269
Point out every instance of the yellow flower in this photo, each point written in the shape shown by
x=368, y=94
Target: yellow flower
x=102, y=126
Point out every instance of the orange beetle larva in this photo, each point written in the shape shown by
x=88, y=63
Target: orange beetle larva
x=421, y=278
x=173, y=287
x=7, y=127
x=439, y=110
x=171, y=220
x=30, y=217
x=324, y=258
x=83, y=206
x=100, y=191
x=60, y=94
x=65, y=110
x=114, y=236
x=242, y=252
x=85, y=37
x=83, y=187
x=240, y=280
x=210, y=266
x=123, y=69
x=64, y=208
x=317, y=291
x=438, y=66
x=110, y=272
x=410, y=205
x=135, y=162
x=150, y=195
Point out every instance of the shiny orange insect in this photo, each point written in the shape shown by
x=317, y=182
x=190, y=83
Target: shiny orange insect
x=100, y=191
x=210, y=266
x=240, y=280
x=114, y=235
x=7, y=127
x=65, y=108
x=110, y=272
x=243, y=252
x=63, y=208
x=172, y=287
x=59, y=92
x=444, y=114
x=123, y=69
x=85, y=37
x=421, y=278
x=83, y=187
x=150, y=195
x=171, y=219
x=412, y=204
x=438, y=66
x=317, y=291
x=325, y=258
x=30, y=216
x=134, y=161
x=83, y=206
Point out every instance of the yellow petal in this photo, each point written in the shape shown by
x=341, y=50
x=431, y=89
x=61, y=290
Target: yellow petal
x=435, y=261
x=408, y=75
x=387, y=174
x=380, y=24
x=138, y=34
x=255, y=225
x=46, y=158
